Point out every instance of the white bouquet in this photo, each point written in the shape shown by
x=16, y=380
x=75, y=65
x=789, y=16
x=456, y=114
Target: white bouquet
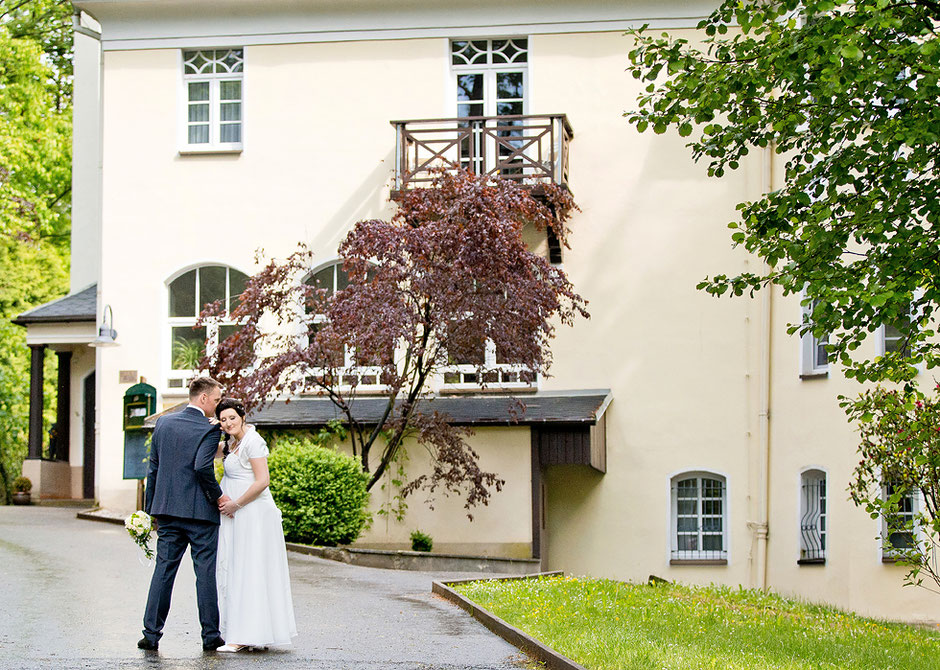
x=140, y=527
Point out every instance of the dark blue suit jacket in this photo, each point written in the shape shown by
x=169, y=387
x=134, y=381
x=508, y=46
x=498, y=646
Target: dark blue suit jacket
x=181, y=479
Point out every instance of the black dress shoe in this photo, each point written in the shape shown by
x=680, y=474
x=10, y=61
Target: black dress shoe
x=213, y=645
x=147, y=644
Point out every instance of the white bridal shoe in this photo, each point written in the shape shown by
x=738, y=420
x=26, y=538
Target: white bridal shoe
x=233, y=648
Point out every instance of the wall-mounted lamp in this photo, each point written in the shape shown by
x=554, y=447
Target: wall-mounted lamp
x=106, y=332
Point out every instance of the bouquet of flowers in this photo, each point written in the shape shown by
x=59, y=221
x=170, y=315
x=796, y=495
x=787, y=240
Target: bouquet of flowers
x=140, y=527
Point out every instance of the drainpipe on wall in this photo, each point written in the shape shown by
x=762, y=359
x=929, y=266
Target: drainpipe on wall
x=761, y=527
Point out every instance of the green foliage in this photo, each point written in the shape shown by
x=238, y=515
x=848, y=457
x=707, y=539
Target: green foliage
x=35, y=145
x=421, y=541
x=900, y=446
x=35, y=181
x=31, y=273
x=396, y=478
x=22, y=485
x=608, y=625
x=187, y=353
x=47, y=23
x=321, y=492
x=847, y=94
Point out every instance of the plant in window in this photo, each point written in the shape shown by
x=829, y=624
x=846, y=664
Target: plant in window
x=187, y=353
x=897, y=478
x=448, y=271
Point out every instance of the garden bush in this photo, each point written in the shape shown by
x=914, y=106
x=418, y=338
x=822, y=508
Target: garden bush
x=321, y=492
x=421, y=541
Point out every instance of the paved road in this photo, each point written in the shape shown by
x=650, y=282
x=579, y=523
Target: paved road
x=72, y=594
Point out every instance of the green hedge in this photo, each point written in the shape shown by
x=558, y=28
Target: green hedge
x=321, y=492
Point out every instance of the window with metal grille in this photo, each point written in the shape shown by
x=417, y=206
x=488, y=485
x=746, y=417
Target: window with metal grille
x=699, y=523
x=813, y=517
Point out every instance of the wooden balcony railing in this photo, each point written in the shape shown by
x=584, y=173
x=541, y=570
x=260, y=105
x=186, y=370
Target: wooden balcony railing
x=530, y=149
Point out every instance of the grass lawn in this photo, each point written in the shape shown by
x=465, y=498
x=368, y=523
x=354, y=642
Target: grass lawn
x=608, y=625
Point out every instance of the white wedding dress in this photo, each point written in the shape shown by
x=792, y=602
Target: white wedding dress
x=251, y=570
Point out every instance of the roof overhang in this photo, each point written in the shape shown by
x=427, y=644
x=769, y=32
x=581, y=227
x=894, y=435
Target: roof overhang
x=67, y=320
x=562, y=408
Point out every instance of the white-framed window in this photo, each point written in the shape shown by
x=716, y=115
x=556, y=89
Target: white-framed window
x=699, y=517
x=894, y=336
x=213, y=96
x=814, y=359
x=188, y=293
x=332, y=278
x=813, y=517
x=898, y=530
x=491, y=77
x=891, y=338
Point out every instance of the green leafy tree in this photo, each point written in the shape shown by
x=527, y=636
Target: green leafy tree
x=847, y=94
x=35, y=179
x=31, y=273
x=35, y=145
x=47, y=23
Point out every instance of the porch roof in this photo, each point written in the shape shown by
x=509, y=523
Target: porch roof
x=579, y=407
x=75, y=307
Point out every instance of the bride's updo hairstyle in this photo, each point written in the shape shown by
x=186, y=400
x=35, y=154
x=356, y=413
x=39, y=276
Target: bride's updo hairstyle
x=229, y=403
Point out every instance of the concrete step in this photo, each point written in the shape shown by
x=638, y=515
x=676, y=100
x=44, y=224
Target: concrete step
x=82, y=503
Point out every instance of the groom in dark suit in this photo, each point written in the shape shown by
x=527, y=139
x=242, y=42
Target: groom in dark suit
x=183, y=497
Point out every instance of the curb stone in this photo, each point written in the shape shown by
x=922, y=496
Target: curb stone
x=376, y=558
x=526, y=643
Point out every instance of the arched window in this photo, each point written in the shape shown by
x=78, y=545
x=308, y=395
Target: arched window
x=188, y=294
x=351, y=373
x=699, y=517
x=813, y=517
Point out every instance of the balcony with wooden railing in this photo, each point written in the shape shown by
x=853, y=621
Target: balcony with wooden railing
x=530, y=149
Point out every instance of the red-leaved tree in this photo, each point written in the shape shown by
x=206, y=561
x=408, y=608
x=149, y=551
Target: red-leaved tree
x=449, y=273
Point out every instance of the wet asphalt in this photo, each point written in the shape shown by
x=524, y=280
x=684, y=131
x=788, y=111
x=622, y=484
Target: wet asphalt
x=72, y=595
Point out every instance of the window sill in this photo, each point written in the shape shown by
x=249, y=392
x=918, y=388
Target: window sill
x=820, y=374
x=209, y=151
x=811, y=561
x=890, y=559
x=489, y=390
x=698, y=561
x=347, y=391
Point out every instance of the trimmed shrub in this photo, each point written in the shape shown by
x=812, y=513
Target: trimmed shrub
x=421, y=541
x=321, y=492
x=22, y=485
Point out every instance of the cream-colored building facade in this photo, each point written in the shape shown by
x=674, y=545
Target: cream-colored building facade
x=718, y=453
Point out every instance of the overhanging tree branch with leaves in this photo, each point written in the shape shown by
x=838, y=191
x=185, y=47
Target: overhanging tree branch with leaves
x=447, y=274
x=846, y=95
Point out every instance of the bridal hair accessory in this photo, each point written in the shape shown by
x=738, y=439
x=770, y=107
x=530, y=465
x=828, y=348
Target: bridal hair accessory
x=139, y=526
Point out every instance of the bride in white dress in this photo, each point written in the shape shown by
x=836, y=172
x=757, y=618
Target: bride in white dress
x=251, y=570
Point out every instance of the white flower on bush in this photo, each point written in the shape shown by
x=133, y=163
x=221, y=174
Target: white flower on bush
x=139, y=526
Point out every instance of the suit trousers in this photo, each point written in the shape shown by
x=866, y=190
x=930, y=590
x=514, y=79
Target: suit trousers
x=173, y=536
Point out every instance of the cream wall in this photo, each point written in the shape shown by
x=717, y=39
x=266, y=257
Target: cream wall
x=317, y=157
x=501, y=528
x=810, y=430
x=685, y=369
x=681, y=365
x=83, y=364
